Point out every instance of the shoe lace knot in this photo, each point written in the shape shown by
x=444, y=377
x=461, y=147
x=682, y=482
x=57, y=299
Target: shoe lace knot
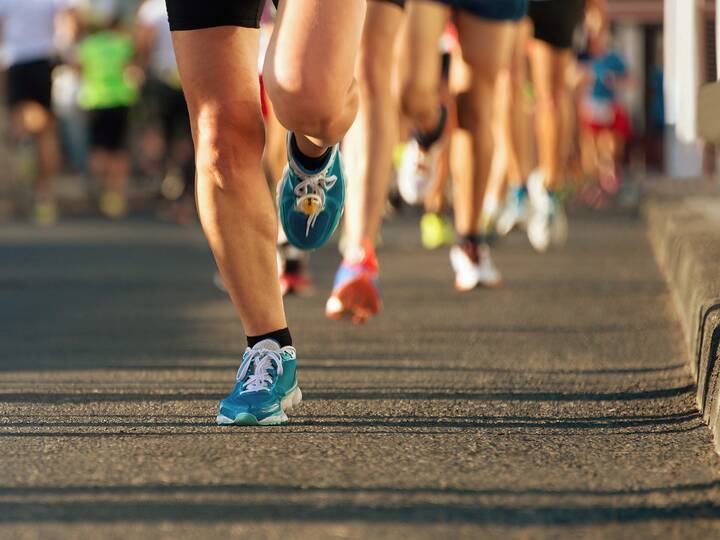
x=310, y=193
x=263, y=362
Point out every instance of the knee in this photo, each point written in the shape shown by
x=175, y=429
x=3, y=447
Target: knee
x=419, y=99
x=229, y=141
x=305, y=103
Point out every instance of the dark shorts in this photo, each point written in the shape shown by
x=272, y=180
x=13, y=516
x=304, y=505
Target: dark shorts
x=399, y=3
x=108, y=128
x=195, y=14
x=173, y=113
x=496, y=10
x=30, y=81
x=555, y=21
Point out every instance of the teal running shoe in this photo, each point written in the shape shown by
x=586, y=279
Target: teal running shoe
x=311, y=203
x=265, y=390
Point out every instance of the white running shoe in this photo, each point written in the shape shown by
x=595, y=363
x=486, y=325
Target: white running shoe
x=470, y=273
x=548, y=223
x=514, y=213
x=417, y=171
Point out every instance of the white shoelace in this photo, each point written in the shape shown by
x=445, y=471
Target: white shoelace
x=310, y=192
x=263, y=360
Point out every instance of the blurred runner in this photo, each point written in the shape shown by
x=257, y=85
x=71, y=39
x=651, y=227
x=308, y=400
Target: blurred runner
x=308, y=75
x=511, y=161
x=155, y=52
x=474, y=79
x=107, y=93
x=28, y=42
x=606, y=123
x=369, y=145
x=555, y=22
x=436, y=229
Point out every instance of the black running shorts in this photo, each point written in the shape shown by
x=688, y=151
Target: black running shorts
x=195, y=14
x=399, y=3
x=494, y=10
x=108, y=128
x=555, y=21
x=30, y=81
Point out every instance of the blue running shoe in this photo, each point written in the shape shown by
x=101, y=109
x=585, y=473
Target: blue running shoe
x=265, y=390
x=311, y=202
x=515, y=211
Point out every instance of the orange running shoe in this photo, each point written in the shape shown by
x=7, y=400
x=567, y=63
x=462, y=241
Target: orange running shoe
x=356, y=291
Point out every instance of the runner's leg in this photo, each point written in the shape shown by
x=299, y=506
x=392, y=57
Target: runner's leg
x=472, y=146
x=369, y=146
x=218, y=67
x=546, y=63
x=426, y=21
x=309, y=69
x=370, y=141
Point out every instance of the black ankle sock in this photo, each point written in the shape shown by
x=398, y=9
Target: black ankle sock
x=426, y=140
x=292, y=266
x=310, y=163
x=283, y=338
x=475, y=239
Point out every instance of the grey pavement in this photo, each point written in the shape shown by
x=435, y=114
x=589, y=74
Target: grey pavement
x=557, y=407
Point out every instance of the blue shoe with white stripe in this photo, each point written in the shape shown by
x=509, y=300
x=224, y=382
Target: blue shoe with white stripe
x=311, y=202
x=265, y=390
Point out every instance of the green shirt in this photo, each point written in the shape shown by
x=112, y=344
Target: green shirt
x=104, y=58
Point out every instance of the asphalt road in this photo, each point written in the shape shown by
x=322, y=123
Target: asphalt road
x=557, y=407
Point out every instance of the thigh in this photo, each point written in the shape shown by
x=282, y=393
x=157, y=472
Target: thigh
x=382, y=25
x=425, y=24
x=315, y=42
x=218, y=69
x=549, y=67
x=475, y=33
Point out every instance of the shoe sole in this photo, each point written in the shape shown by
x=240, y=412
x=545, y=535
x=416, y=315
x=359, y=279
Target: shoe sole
x=298, y=242
x=356, y=299
x=291, y=400
x=480, y=285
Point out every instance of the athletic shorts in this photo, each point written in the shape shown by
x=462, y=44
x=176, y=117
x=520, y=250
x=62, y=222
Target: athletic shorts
x=555, y=21
x=496, y=10
x=399, y=3
x=194, y=15
x=30, y=81
x=108, y=128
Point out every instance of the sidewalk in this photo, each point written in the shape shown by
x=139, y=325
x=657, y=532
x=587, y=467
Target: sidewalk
x=558, y=406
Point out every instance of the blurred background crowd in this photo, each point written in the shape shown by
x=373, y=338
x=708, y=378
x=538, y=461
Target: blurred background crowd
x=111, y=134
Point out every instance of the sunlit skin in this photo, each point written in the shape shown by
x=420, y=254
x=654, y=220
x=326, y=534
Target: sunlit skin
x=309, y=79
x=369, y=143
x=30, y=119
x=474, y=81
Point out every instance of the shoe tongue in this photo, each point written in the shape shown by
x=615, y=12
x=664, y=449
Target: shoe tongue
x=267, y=344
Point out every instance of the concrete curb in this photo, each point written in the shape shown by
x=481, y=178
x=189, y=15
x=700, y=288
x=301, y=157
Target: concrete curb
x=685, y=234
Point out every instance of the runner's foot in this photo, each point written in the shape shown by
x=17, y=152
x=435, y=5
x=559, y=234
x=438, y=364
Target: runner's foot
x=45, y=212
x=266, y=387
x=356, y=291
x=474, y=267
x=435, y=231
x=417, y=171
x=311, y=201
x=296, y=282
x=515, y=212
x=548, y=224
